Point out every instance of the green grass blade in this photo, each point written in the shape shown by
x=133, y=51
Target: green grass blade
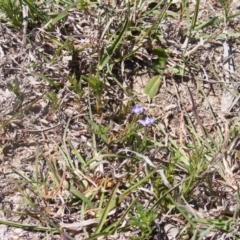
x=96, y=236
x=182, y=210
x=77, y=154
x=116, y=224
x=208, y=23
x=50, y=81
x=207, y=231
x=66, y=151
x=129, y=190
x=62, y=15
x=22, y=175
x=110, y=205
x=195, y=16
x=27, y=227
x=159, y=19
x=80, y=195
x=114, y=46
x=34, y=10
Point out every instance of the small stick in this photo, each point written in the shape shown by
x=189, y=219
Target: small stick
x=25, y=23
x=42, y=130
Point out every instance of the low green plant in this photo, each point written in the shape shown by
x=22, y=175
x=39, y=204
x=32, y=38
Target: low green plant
x=53, y=98
x=53, y=83
x=13, y=11
x=76, y=86
x=143, y=219
x=97, y=85
x=15, y=88
x=99, y=130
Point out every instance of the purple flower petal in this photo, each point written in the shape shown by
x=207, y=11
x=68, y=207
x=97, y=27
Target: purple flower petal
x=137, y=109
x=149, y=121
x=146, y=122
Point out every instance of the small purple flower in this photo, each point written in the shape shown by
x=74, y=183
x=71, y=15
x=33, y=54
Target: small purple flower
x=137, y=109
x=147, y=121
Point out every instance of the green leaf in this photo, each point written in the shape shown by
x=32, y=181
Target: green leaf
x=162, y=57
x=178, y=70
x=153, y=86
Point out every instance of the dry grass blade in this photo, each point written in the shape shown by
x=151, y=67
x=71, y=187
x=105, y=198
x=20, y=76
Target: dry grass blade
x=80, y=225
x=230, y=92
